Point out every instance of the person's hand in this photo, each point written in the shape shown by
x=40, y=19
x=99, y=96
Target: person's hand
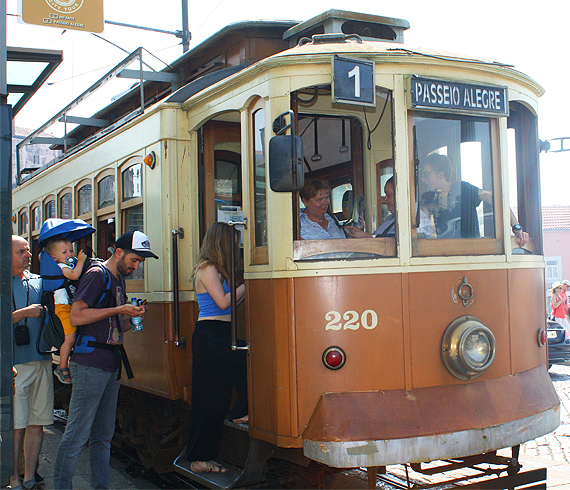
x=34, y=311
x=522, y=237
x=132, y=310
x=354, y=232
x=81, y=256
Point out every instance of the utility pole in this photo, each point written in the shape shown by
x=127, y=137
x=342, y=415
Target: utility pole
x=6, y=360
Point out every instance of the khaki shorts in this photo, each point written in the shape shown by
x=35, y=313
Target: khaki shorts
x=33, y=396
x=63, y=312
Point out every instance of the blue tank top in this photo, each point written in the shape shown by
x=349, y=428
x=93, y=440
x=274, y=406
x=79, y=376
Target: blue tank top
x=208, y=307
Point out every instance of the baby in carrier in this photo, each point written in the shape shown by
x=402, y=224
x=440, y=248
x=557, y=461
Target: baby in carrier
x=61, y=250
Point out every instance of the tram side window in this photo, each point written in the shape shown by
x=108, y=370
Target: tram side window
x=524, y=172
x=105, y=216
x=49, y=209
x=23, y=224
x=65, y=206
x=132, y=207
x=84, y=200
x=454, y=177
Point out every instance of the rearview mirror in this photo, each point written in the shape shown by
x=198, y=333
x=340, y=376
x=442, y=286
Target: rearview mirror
x=285, y=157
x=286, y=163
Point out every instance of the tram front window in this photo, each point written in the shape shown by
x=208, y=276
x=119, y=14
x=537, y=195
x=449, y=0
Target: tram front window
x=454, y=177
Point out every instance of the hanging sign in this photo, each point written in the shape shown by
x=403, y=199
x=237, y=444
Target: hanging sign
x=353, y=81
x=443, y=94
x=81, y=15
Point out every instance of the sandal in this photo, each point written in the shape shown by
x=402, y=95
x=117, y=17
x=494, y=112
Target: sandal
x=63, y=375
x=207, y=467
x=241, y=420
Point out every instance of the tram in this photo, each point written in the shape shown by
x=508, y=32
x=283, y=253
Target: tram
x=425, y=344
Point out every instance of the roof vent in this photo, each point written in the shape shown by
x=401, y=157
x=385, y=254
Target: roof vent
x=368, y=27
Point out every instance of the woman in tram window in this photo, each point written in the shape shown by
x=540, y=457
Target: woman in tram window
x=316, y=222
x=215, y=367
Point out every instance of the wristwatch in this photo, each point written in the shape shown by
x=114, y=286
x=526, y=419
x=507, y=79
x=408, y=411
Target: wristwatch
x=517, y=228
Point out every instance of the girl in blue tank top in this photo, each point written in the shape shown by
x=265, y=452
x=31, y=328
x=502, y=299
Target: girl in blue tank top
x=215, y=367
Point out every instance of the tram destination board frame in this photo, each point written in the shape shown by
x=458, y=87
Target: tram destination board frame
x=449, y=95
x=353, y=81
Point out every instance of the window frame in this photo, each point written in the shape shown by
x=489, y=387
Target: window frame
x=430, y=247
x=259, y=253
x=80, y=185
x=60, y=195
x=132, y=285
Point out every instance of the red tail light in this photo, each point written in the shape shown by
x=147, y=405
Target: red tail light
x=334, y=358
x=541, y=337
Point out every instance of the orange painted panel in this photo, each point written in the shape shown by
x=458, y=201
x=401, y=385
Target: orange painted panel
x=375, y=355
x=433, y=308
x=158, y=366
x=527, y=315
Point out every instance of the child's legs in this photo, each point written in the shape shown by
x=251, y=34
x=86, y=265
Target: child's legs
x=63, y=313
x=65, y=350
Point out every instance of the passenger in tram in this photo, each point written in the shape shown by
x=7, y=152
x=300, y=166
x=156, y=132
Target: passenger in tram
x=316, y=222
x=215, y=366
x=33, y=395
x=388, y=227
x=453, y=205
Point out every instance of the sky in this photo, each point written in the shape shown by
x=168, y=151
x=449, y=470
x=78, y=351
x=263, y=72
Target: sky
x=532, y=37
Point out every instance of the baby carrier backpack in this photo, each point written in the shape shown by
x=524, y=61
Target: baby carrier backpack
x=53, y=279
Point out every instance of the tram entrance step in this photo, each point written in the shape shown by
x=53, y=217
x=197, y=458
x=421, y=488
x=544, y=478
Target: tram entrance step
x=244, y=457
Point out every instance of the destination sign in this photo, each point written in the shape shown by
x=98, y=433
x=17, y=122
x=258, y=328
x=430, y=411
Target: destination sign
x=441, y=94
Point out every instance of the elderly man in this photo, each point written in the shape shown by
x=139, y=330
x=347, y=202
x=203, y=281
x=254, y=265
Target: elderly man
x=33, y=396
x=100, y=310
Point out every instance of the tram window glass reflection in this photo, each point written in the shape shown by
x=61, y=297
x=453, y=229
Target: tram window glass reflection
x=455, y=180
x=49, y=209
x=106, y=191
x=36, y=218
x=260, y=186
x=65, y=206
x=23, y=224
x=133, y=221
x=84, y=199
x=132, y=182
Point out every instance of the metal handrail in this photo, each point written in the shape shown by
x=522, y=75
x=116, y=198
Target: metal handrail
x=233, y=287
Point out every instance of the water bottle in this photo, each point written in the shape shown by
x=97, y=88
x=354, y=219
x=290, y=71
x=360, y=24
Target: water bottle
x=136, y=321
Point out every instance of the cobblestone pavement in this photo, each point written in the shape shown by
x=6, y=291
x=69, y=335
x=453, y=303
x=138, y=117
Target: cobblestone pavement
x=556, y=445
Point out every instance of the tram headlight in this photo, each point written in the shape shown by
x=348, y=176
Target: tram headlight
x=468, y=347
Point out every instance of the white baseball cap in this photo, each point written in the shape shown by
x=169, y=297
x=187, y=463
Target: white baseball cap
x=136, y=241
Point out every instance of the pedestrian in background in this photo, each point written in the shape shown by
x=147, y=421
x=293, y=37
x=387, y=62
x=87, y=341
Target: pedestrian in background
x=33, y=395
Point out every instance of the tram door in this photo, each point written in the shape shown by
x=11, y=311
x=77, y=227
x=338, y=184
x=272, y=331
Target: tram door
x=220, y=183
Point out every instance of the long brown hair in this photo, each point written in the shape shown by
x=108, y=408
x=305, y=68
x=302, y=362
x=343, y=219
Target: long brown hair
x=215, y=249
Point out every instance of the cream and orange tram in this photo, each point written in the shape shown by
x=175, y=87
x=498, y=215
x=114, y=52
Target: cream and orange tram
x=427, y=343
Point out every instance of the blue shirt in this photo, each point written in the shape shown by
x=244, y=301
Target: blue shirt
x=26, y=292
x=208, y=307
x=313, y=231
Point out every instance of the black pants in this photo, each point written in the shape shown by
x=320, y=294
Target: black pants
x=215, y=370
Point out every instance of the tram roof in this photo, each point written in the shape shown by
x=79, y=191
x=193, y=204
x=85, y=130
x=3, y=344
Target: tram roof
x=226, y=52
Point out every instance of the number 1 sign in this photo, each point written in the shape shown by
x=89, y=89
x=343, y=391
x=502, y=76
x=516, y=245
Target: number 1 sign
x=353, y=81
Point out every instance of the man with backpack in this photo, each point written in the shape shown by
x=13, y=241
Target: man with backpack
x=99, y=310
x=33, y=394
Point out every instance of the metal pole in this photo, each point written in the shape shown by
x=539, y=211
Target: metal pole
x=185, y=32
x=6, y=360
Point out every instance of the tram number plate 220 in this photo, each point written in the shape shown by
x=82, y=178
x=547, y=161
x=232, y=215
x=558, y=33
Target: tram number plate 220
x=351, y=320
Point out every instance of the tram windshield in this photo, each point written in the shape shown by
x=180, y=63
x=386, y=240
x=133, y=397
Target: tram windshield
x=344, y=195
x=454, y=177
